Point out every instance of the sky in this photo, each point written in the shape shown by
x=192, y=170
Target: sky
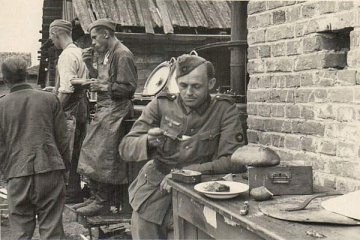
x=20, y=23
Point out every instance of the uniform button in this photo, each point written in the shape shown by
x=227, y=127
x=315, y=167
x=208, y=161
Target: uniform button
x=217, y=96
x=187, y=147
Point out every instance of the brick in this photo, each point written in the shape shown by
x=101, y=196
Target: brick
x=256, y=6
x=252, y=136
x=253, y=52
x=279, y=32
x=264, y=138
x=264, y=110
x=319, y=95
x=319, y=42
x=251, y=109
x=307, y=62
x=308, y=144
x=264, y=51
x=279, y=65
x=293, y=13
x=347, y=184
x=255, y=123
x=343, y=20
x=255, y=66
x=327, y=7
x=293, y=47
x=278, y=49
x=345, y=5
x=309, y=10
x=307, y=112
x=285, y=156
x=292, y=111
x=355, y=38
x=357, y=78
x=326, y=77
x=323, y=179
x=324, y=59
x=327, y=147
x=334, y=60
x=257, y=36
x=306, y=80
x=292, y=81
x=326, y=112
x=286, y=127
x=303, y=95
x=353, y=58
x=300, y=29
x=340, y=95
x=286, y=96
x=253, y=82
x=258, y=96
x=277, y=111
x=346, y=150
x=264, y=81
x=292, y=142
x=277, y=141
x=278, y=81
x=278, y=17
x=345, y=114
x=275, y=4
x=259, y=20
x=357, y=94
x=348, y=132
x=307, y=127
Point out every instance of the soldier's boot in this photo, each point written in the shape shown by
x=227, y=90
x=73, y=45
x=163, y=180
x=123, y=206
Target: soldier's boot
x=101, y=205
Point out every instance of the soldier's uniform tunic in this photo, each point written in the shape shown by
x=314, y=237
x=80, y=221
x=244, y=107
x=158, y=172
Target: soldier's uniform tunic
x=201, y=139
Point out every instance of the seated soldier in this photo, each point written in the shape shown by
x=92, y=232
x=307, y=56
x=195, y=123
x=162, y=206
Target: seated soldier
x=192, y=131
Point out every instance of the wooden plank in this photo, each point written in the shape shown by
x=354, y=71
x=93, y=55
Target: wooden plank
x=4, y=191
x=123, y=10
x=105, y=7
x=90, y=11
x=155, y=14
x=223, y=12
x=100, y=9
x=94, y=8
x=172, y=14
x=168, y=28
x=187, y=13
x=111, y=7
x=132, y=13
x=139, y=13
x=211, y=14
x=82, y=14
x=179, y=14
x=198, y=14
x=144, y=6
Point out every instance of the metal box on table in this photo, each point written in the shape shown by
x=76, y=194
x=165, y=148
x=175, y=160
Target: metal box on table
x=282, y=180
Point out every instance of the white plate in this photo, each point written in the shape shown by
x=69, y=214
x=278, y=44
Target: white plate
x=235, y=189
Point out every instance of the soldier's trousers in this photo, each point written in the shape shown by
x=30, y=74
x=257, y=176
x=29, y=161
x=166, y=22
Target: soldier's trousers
x=42, y=195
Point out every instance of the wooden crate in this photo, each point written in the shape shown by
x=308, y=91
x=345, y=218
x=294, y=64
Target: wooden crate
x=282, y=180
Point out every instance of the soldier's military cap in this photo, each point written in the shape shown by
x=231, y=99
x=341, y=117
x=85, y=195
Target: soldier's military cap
x=63, y=24
x=186, y=63
x=103, y=22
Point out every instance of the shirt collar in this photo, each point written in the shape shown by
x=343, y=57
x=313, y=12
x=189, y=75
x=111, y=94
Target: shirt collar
x=20, y=86
x=200, y=110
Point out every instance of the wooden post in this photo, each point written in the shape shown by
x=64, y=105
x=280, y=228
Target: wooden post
x=238, y=75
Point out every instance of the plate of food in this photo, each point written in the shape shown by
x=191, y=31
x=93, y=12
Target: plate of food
x=221, y=189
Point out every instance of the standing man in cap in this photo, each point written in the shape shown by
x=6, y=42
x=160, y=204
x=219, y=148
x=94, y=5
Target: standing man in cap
x=115, y=83
x=34, y=153
x=191, y=130
x=73, y=99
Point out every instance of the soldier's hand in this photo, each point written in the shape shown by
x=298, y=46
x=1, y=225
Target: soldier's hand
x=87, y=55
x=155, y=137
x=164, y=185
x=96, y=86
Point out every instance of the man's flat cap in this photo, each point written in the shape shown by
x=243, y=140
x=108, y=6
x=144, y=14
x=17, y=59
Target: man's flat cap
x=186, y=63
x=63, y=24
x=103, y=23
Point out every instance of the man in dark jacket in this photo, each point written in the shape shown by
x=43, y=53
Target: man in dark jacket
x=115, y=78
x=191, y=130
x=34, y=154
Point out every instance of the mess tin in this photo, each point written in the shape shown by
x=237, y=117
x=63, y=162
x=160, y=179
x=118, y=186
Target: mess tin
x=186, y=176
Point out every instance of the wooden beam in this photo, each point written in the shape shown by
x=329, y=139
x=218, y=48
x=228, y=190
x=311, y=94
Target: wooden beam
x=168, y=28
x=187, y=13
x=144, y=5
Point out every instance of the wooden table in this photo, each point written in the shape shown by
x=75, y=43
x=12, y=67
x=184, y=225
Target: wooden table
x=199, y=217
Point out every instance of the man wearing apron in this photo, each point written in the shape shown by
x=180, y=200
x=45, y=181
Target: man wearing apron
x=73, y=99
x=115, y=84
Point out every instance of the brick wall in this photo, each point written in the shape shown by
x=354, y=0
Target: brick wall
x=304, y=92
